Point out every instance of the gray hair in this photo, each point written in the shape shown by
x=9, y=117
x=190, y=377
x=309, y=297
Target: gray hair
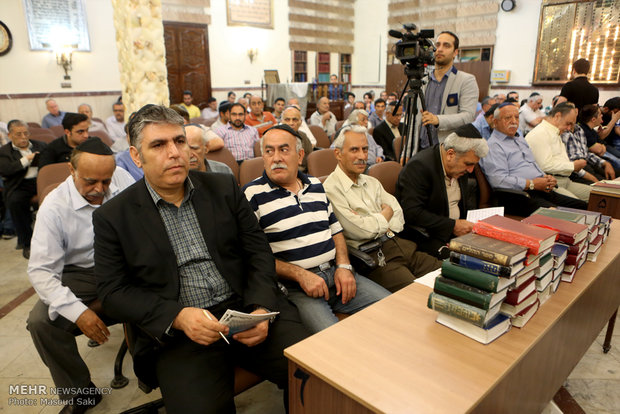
x=352, y=118
x=298, y=144
x=563, y=108
x=15, y=123
x=147, y=115
x=339, y=141
x=85, y=104
x=462, y=145
x=534, y=97
x=203, y=131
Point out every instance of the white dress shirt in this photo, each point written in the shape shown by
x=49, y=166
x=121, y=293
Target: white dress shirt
x=358, y=207
x=116, y=130
x=63, y=235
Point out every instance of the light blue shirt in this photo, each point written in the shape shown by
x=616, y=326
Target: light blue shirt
x=510, y=162
x=50, y=120
x=123, y=160
x=482, y=126
x=63, y=235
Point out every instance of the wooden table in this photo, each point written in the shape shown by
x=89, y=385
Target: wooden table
x=605, y=201
x=393, y=357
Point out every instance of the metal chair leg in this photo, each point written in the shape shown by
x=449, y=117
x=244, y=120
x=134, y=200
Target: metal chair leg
x=119, y=380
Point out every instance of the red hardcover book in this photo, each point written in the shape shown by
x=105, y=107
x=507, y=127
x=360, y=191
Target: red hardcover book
x=578, y=248
x=516, y=296
x=573, y=259
x=569, y=232
x=536, y=239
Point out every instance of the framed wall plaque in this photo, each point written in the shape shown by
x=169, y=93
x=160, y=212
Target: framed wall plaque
x=570, y=30
x=257, y=13
x=57, y=23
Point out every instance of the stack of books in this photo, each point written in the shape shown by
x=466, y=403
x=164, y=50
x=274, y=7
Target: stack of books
x=473, y=285
x=570, y=232
x=558, y=253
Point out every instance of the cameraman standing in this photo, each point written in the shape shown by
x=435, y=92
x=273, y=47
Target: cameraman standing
x=451, y=95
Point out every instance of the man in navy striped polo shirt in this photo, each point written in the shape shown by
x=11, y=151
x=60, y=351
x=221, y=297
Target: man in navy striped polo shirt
x=305, y=236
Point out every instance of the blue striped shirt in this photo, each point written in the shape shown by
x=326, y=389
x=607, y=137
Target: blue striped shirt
x=300, y=226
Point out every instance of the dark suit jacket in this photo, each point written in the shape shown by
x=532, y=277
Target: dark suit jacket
x=137, y=269
x=421, y=191
x=383, y=136
x=11, y=168
x=57, y=151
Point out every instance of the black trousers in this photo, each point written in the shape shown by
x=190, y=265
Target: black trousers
x=200, y=379
x=522, y=206
x=18, y=204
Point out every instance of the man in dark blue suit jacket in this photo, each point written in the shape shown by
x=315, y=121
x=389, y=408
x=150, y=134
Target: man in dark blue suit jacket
x=172, y=253
x=19, y=169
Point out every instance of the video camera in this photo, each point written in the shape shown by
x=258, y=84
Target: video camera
x=414, y=49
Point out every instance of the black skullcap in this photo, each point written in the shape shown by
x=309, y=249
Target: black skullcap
x=286, y=128
x=94, y=145
x=503, y=104
x=468, y=131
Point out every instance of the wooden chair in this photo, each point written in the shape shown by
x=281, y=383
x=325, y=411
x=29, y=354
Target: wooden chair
x=38, y=130
x=43, y=137
x=321, y=162
x=198, y=120
x=249, y=170
x=387, y=173
x=34, y=124
x=58, y=130
x=103, y=136
x=49, y=175
x=397, y=144
x=339, y=125
x=322, y=140
x=257, y=151
x=224, y=155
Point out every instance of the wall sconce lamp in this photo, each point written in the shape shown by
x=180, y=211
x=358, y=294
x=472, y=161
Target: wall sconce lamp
x=64, y=58
x=252, y=54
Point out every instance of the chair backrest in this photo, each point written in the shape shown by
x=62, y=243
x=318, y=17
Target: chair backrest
x=397, y=145
x=347, y=112
x=484, y=188
x=339, y=125
x=321, y=162
x=387, y=173
x=322, y=140
x=41, y=196
x=34, y=124
x=250, y=169
x=51, y=174
x=43, y=137
x=257, y=152
x=224, y=155
x=198, y=120
x=38, y=130
x=103, y=136
x=58, y=130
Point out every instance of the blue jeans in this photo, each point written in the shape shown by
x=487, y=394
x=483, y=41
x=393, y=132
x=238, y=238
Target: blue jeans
x=318, y=313
x=615, y=161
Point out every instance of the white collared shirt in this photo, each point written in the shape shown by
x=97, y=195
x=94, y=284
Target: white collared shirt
x=63, y=235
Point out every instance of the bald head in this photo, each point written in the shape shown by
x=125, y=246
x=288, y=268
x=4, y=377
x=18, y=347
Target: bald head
x=323, y=105
x=291, y=116
x=196, y=139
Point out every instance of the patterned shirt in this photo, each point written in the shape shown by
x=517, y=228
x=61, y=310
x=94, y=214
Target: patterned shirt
x=300, y=226
x=239, y=141
x=577, y=147
x=201, y=284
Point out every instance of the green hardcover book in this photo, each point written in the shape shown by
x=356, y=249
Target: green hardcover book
x=475, y=278
x=562, y=215
x=468, y=294
x=469, y=313
x=489, y=249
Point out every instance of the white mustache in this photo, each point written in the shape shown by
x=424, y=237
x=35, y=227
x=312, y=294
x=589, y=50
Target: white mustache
x=360, y=162
x=279, y=165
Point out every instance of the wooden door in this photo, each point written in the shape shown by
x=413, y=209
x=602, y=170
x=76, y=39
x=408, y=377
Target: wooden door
x=187, y=61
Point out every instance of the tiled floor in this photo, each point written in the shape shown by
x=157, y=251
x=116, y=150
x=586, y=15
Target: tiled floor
x=595, y=382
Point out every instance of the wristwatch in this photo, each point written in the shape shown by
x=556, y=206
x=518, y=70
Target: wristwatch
x=531, y=185
x=345, y=266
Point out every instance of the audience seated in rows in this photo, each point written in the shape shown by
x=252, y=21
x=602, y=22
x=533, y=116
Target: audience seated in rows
x=550, y=152
x=307, y=242
x=175, y=293
x=370, y=216
x=61, y=269
x=433, y=191
x=510, y=164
